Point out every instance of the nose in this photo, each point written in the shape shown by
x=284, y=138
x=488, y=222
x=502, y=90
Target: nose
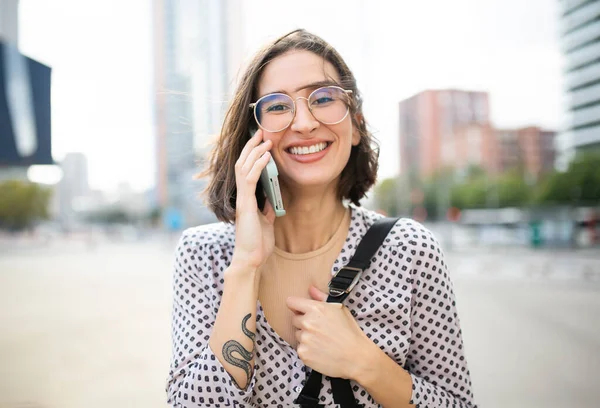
x=304, y=121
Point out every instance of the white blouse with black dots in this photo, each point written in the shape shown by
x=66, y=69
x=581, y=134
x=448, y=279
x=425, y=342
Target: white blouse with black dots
x=404, y=303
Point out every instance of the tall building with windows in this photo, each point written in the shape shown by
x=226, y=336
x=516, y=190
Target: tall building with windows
x=529, y=148
x=442, y=129
x=195, y=48
x=580, y=42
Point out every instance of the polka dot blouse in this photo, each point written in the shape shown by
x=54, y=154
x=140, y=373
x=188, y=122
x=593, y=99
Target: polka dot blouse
x=404, y=303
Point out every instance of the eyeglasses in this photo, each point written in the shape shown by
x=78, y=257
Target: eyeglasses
x=275, y=112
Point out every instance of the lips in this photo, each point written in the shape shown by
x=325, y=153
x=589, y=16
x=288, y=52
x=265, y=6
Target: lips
x=310, y=157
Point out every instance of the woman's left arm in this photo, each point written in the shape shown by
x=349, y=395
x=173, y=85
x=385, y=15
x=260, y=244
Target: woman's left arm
x=436, y=358
x=435, y=374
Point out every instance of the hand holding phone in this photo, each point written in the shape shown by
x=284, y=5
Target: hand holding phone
x=254, y=230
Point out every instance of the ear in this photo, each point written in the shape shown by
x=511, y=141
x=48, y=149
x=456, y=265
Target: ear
x=355, y=131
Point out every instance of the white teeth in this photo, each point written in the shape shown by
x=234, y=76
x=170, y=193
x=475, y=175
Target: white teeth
x=307, y=150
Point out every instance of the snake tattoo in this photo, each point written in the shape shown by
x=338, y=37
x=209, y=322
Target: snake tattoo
x=233, y=346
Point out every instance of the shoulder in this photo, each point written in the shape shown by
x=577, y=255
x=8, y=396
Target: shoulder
x=210, y=235
x=406, y=232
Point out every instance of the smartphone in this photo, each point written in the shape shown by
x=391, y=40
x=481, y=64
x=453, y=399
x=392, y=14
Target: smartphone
x=268, y=188
x=270, y=185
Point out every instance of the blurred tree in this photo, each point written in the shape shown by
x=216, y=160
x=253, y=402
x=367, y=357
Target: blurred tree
x=512, y=189
x=471, y=193
x=110, y=215
x=386, y=196
x=23, y=203
x=155, y=216
x=474, y=172
x=579, y=185
x=472, y=188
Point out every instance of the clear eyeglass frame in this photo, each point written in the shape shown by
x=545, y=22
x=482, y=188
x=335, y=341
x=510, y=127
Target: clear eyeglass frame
x=253, y=106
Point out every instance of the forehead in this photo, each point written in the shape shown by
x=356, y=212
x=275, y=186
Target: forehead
x=294, y=70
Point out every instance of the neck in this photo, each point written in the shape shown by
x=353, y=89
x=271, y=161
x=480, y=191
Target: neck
x=310, y=221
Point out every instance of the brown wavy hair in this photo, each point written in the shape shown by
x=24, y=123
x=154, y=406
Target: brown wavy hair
x=360, y=172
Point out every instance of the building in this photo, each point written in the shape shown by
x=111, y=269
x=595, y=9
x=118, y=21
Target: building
x=580, y=38
x=196, y=44
x=73, y=189
x=9, y=21
x=25, y=131
x=473, y=145
x=510, y=154
x=538, y=152
x=442, y=129
x=529, y=148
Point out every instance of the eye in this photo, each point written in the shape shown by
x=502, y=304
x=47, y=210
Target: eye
x=322, y=100
x=280, y=107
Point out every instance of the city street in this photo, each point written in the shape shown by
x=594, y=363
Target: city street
x=90, y=326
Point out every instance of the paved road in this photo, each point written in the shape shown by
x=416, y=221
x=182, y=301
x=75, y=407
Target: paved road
x=91, y=328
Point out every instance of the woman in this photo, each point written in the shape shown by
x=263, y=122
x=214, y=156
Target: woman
x=249, y=317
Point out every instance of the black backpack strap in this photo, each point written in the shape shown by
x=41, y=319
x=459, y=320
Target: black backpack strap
x=339, y=288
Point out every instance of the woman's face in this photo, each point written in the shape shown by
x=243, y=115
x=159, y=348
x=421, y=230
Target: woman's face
x=294, y=73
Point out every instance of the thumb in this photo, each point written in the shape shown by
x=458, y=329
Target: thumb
x=316, y=294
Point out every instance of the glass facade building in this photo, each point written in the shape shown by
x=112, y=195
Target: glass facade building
x=580, y=42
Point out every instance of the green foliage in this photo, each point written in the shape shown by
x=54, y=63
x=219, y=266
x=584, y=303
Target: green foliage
x=22, y=204
x=473, y=188
x=113, y=215
x=579, y=185
x=512, y=190
x=155, y=215
x=474, y=172
x=471, y=193
x=386, y=196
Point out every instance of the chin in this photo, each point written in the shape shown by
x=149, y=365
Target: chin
x=310, y=180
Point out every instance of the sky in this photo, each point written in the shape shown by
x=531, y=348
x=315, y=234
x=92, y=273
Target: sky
x=101, y=56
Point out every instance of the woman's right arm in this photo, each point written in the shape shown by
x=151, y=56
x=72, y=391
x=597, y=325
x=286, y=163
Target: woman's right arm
x=230, y=347
x=197, y=376
x=232, y=339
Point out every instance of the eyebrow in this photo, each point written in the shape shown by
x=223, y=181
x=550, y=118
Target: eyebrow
x=312, y=85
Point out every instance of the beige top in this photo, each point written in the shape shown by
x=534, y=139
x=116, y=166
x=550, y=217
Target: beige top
x=286, y=274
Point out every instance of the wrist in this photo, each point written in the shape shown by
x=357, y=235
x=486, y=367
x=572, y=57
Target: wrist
x=241, y=274
x=240, y=268
x=365, y=369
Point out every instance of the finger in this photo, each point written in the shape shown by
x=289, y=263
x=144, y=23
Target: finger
x=255, y=154
x=251, y=144
x=297, y=321
x=246, y=186
x=299, y=305
x=316, y=294
x=259, y=165
x=298, y=336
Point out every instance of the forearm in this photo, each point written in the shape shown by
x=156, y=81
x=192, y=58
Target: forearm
x=232, y=337
x=385, y=380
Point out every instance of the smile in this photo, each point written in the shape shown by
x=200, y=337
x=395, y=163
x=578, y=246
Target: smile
x=308, y=149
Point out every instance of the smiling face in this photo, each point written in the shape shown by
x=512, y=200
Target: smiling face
x=308, y=153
